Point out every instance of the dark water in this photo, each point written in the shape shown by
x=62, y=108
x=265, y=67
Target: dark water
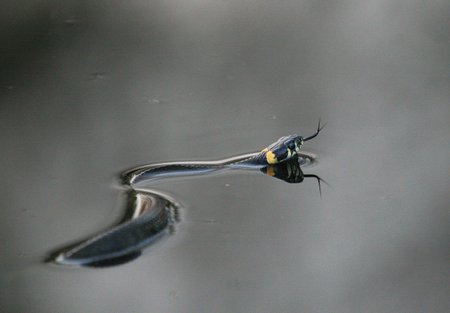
x=89, y=89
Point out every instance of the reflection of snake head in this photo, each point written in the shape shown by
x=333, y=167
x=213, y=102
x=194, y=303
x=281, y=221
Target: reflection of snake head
x=288, y=171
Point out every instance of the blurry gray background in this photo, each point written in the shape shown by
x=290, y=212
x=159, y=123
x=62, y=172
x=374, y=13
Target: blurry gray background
x=90, y=88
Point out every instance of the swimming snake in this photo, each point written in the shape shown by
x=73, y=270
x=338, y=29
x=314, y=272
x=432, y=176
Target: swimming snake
x=152, y=214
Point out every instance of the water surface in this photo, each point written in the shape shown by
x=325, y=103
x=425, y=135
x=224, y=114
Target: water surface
x=89, y=90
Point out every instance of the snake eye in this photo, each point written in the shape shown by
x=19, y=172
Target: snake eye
x=298, y=143
x=291, y=145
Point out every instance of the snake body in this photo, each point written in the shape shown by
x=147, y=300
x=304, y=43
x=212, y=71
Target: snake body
x=152, y=214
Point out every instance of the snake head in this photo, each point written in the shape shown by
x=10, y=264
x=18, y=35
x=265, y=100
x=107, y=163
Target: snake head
x=283, y=149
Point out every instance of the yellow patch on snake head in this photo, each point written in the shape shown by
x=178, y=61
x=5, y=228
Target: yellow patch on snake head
x=271, y=158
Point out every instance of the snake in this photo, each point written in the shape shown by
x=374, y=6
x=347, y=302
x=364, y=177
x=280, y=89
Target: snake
x=151, y=214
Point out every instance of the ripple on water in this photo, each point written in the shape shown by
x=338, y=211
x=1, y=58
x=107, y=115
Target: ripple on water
x=307, y=159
